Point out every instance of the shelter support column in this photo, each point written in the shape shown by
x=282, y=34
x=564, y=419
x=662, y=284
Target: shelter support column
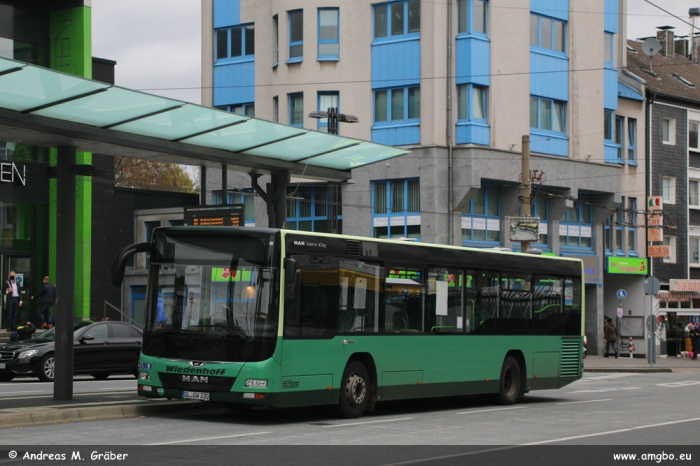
x=65, y=273
x=275, y=197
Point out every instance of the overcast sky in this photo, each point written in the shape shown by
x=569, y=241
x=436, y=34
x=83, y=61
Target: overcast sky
x=157, y=43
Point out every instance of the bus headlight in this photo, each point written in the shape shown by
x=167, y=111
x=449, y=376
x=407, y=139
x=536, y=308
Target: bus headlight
x=144, y=376
x=253, y=383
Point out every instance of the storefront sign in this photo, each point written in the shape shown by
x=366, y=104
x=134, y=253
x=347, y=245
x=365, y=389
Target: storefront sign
x=655, y=203
x=11, y=173
x=684, y=285
x=627, y=265
x=657, y=233
x=659, y=251
x=590, y=268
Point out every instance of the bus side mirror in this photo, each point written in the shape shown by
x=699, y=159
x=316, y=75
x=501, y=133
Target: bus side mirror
x=119, y=264
x=292, y=279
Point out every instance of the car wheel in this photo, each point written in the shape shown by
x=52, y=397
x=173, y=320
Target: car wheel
x=46, y=368
x=100, y=375
x=6, y=377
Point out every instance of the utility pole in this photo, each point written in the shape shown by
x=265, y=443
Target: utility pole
x=525, y=201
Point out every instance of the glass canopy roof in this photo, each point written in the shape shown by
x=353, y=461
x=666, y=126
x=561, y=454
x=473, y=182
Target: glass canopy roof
x=39, y=91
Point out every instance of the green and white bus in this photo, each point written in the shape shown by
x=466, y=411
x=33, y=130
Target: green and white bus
x=265, y=317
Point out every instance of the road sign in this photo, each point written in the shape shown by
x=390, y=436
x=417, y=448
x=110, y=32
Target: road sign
x=622, y=294
x=651, y=285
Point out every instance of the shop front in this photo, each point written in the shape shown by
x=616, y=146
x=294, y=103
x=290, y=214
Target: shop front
x=626, y=302
x=677, y=307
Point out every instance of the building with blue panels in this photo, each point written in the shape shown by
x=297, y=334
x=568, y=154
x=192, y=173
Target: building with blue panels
x=460, y=83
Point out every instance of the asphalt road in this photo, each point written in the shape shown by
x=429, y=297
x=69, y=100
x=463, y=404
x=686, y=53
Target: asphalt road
x=600, y=409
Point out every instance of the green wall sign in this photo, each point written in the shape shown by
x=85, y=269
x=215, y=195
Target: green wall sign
x=628, y=265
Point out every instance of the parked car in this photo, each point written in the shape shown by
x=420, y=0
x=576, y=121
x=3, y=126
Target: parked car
x=99, y=349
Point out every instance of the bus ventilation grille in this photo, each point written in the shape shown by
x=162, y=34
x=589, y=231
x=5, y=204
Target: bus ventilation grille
x=353, y=248
x=570, y=357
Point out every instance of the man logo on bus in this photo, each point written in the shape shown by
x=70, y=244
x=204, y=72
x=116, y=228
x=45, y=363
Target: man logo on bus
x=196, y=363
x=195, y=379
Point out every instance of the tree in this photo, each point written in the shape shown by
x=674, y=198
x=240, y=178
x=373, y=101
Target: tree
x=149, y=174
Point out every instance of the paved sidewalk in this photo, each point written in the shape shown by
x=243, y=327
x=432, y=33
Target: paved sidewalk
x=626, y=364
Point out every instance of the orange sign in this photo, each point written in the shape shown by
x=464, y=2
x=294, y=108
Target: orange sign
x=655, y=234
x=659, y=251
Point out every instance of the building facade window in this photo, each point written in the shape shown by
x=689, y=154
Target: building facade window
x=575, y=227
x=669, y=131
x=609, y=43
x=326, y=100
x=397, y=105
x=547, y=114
x=276, y=109
x=668, y=189
x=247, y=109
x=296, y=110
x=236, y=43
x=620, y=136
x=670, y=241
x=693, y=135
x=548, y=34
x=472, y=17
x=631, y=136
x=482, y=221
x=471, y=102
x=694, y=193
x=275, y=40
x=693, y=251
x=296, y=36
x=328, y=33
x=308, y=208
x=394, y=20
x=631, y=226
x=396, y=209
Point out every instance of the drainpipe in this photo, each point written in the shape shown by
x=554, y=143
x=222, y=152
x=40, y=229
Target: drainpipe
x=448, y=96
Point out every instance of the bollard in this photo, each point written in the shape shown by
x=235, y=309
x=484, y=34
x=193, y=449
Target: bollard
x=631, y=347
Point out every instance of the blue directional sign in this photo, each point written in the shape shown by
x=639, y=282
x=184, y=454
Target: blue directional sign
x=622, y=294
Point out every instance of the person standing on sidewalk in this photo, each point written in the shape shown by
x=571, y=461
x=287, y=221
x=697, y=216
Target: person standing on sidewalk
x=48, y=299
x=13, y=299
x=695, y=339
x=610, y=336
x=686, y=337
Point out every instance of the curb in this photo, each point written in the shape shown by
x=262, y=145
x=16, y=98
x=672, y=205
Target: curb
x=14, y=419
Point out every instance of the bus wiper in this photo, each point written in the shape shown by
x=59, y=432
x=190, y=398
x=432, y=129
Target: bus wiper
x=234, y=328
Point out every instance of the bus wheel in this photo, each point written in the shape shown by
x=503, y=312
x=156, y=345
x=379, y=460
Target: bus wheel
x=509, y=385
x=354, y=390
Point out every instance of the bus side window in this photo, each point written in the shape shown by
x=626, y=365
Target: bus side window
x=443, y=309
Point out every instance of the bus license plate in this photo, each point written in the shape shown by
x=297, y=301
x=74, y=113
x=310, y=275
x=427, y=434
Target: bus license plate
x=202, y=396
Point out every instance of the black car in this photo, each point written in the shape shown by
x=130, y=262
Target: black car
x=99, y=349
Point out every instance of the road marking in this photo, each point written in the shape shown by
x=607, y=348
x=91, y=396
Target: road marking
x=607, y=390
x=614, y=431
x=208, y=438
x=604, y=377
x=370, y=422
x=578, y=402
x=685, y=383
x=24, y=391
x=489, y=410
x=74, y=394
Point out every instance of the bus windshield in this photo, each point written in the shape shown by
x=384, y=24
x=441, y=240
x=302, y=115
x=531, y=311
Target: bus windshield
x=212, y=297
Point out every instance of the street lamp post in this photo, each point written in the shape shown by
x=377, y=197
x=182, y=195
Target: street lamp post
x=333, y=188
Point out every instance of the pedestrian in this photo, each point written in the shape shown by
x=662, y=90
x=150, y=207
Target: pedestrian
x=13, y=299
x=610, y=336
x=686, y=337
x=48, y=299
x=695, y=339
x=26, y=331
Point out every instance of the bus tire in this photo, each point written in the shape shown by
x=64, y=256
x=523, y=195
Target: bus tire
x=354, y=390
x=509, y=385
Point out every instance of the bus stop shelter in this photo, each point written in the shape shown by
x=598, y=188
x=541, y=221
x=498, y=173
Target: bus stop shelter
x=42, y=107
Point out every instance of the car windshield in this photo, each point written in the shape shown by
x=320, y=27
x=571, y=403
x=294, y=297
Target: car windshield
x=51, y=333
